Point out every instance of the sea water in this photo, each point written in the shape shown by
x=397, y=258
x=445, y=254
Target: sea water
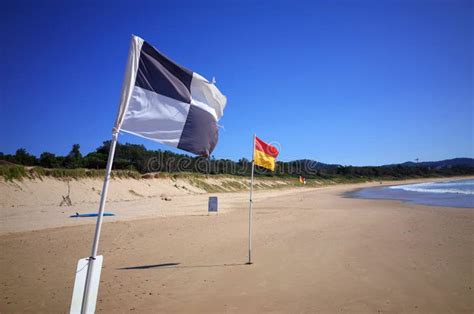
x=458, y=193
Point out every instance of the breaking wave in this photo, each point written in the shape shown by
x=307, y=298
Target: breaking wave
x=459, y=187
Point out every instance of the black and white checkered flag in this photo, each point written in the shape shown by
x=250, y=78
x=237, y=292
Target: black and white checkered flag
x=168, y=103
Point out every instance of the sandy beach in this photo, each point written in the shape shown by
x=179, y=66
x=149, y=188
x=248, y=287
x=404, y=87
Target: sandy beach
x=314, y=251
x=347, y=126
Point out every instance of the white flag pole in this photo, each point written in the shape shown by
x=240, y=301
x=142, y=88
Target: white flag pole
x=100, y=215
x=127, y=86
x=251, y=202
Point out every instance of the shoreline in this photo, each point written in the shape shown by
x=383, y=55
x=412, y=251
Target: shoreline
x=406, y=199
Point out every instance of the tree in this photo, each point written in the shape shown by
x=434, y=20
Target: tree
x=24, y=158
x=48, y=160
x=74, y=158
x=75, y=152
x=94, y=161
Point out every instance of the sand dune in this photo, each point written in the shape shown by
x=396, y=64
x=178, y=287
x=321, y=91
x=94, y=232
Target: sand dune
x=35, y=204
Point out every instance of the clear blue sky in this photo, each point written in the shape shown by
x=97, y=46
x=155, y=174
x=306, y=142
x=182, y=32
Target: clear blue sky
x=349, y=82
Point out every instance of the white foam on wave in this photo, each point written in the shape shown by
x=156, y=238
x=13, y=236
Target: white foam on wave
x=438, y=187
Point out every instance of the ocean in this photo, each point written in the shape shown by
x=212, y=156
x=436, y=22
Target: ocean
x=458, y=193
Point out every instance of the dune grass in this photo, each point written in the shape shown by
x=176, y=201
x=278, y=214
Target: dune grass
x=13, y=172
x=223, y=183
x=18, y=172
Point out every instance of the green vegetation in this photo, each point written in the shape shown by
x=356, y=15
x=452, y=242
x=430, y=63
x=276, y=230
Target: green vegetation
x=12, y=172
x=17, y=172
x=135, y=161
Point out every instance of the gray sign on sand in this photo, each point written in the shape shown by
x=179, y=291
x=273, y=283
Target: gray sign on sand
x=212, y=204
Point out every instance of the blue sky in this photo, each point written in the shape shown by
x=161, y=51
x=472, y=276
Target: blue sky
x=349, y=82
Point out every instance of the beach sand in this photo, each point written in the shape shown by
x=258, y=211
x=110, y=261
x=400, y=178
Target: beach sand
x=314, y=251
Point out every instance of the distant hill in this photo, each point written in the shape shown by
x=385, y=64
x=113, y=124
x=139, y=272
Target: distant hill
x=447, y=163
x=313, y=164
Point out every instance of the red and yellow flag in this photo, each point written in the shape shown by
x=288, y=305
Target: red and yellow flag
x=264, y=154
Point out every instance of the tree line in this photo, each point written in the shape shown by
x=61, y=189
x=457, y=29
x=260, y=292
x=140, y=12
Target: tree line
x=137, y=157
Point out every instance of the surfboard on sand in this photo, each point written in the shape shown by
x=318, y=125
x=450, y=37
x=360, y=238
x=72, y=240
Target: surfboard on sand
x=77, y=215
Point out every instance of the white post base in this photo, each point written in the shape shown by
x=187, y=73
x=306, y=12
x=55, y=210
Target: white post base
x=79, y=285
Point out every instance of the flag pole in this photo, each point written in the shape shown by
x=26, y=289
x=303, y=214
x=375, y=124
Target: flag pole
x=251, y=202
x=100, y=215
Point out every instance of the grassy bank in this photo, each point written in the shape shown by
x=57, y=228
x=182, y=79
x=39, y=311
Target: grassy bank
x=210, y=183
x=16, y=172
